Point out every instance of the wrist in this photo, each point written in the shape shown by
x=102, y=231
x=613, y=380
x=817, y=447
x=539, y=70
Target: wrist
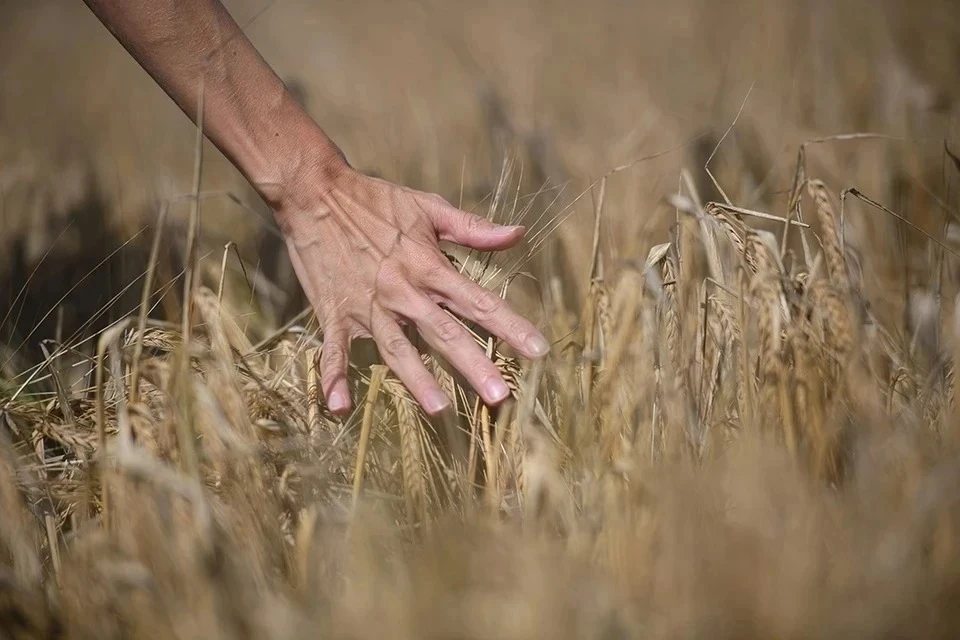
x=310, y=169
x=307, y=172
x=289, y=154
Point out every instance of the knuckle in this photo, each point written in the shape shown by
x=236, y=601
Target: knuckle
x=332, y=355
x=392, y=285
x=447, y=329
x=474, y=222
x=389, y=274
x=434, y=266
x=486, y=303
x=395, y=347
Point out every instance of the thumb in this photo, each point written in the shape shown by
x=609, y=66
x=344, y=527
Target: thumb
x=475, y=231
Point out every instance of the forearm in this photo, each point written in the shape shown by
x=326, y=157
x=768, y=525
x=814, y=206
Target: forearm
x=248, y=112
x=365, y=251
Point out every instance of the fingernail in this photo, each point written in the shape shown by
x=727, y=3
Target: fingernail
x=508, y=231
x=435, y=401
x=538, y=346
x=338, y=402
x=495, y=389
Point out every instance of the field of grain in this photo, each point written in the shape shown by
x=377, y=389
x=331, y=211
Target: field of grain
x=744, y=247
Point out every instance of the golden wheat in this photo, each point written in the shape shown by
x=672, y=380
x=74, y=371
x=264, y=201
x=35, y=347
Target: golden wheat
x=748, y=434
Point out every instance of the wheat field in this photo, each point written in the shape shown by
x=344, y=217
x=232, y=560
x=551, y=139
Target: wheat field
x=743, y=245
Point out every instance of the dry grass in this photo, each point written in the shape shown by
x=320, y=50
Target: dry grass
x=752, y=473
x=747, y=426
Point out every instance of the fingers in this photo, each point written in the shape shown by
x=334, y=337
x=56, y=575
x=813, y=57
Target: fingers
x=471, y=230
x=447, y=336
x=469, y=300
x=334, y=355
x=404, y=360
x=334, y=363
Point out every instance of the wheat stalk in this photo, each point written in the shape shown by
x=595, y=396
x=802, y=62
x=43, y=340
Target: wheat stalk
x=830, y=235
x=411, y=456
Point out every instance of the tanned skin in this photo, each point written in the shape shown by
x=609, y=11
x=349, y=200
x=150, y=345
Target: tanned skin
x=365, y=250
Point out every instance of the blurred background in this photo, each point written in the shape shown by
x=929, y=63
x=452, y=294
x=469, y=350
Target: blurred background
x=437, y=95
x=668, y=507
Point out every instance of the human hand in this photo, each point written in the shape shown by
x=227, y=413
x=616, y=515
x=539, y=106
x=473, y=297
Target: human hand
x=366, y=253
x=364, y=250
